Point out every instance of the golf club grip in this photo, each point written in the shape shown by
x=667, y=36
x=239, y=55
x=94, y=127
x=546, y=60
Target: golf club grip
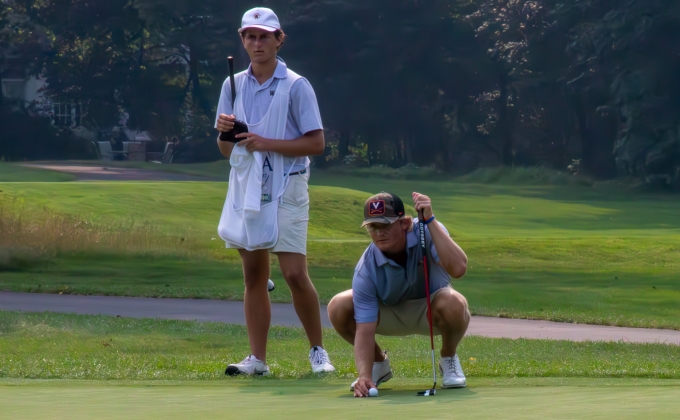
x=239, y=126
x=232, y=84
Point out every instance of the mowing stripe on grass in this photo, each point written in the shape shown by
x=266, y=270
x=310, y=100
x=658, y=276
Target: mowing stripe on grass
x=314, y=399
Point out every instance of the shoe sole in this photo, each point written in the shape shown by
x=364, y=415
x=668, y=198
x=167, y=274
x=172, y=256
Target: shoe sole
x=322, y=371
x=380, y=381
x=234, y=371
x=454, y=386
x=384, y=378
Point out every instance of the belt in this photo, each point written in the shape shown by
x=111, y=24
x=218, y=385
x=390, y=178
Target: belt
x=302, y=172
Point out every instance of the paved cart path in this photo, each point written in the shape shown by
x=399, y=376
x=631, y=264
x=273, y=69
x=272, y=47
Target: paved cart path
x=284, y=314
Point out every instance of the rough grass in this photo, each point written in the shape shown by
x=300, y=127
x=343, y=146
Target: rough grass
x=56, y=346
x=32, y=236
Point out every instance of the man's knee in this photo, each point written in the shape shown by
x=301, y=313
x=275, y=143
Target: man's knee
x=341, y=310
x=255, y=269
x=297, y=278
x=450, y=308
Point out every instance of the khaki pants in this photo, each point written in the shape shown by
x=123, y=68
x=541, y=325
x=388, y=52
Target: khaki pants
x=406, y=318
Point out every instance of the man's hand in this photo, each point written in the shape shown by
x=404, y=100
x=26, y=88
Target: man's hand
x=254, y=142
x=362, y=386
x=225, y=123
x=422, y=202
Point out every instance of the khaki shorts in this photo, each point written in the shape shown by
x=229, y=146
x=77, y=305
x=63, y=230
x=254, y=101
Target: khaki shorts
x=406, y=318
x=293, y=216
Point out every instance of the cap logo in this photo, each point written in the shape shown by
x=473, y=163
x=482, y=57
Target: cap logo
x=376, y=208
x=256, y=16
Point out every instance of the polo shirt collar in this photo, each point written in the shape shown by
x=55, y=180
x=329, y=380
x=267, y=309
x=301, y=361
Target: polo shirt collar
x=280, y=72
x=411, y=241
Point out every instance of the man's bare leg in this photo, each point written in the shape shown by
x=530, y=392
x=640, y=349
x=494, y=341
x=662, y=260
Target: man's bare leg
x=305, y=298
x=451, y=317
x=341, y=314
x=256, y=300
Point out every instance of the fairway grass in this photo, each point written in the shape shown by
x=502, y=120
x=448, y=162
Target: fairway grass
x=322, y=399
x=571, y=254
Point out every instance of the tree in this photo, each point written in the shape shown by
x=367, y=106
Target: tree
x=625, y=58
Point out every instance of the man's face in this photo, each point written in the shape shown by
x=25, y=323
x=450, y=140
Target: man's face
x=389, y=238
x=261, y=45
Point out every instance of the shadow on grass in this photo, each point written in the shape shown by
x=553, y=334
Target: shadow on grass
x=410, y=396
x=331, y=387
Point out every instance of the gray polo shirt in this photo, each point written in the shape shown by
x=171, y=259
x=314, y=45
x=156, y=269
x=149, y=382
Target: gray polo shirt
x=303, y=112
x=378, y=279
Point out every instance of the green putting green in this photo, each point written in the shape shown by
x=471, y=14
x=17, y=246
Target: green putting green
x=318, y=398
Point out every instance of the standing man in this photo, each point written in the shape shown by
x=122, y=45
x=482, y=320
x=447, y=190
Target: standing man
x=388, y=291
x=270, y=99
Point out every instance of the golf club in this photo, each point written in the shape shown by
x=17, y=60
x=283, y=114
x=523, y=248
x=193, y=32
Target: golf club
x=432, y=391
x=239, y=126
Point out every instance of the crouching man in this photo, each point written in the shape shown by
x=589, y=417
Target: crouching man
x=388, y=291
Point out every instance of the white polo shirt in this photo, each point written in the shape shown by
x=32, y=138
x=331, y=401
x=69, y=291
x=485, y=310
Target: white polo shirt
x=303, y=111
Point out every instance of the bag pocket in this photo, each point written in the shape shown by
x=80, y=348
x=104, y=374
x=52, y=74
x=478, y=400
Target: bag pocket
x=262, y=228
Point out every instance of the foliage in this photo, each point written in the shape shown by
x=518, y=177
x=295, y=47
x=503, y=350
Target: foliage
x=460, y=84
x=47, y=142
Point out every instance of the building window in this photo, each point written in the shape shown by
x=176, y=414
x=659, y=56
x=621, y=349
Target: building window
x=67, y=114
x=13, y=88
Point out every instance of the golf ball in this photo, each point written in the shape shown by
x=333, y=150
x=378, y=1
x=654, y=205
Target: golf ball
x=373, y=392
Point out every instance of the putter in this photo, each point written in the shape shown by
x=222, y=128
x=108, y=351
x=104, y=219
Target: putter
x=239, y=126
x=433, y=390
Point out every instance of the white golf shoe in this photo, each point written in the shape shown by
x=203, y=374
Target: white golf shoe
x=251, y=365
x=318, y=357
x=382, y=372
x=452, y=372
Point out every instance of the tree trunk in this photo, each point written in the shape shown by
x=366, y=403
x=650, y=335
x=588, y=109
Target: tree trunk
x=587, y=146
x=408, y=149
x=504, y=122
x=343, y=143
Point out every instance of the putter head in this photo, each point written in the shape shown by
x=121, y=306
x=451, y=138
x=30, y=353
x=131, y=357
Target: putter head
x=428, y=393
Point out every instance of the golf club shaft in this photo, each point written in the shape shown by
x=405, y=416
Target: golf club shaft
x=427, y=293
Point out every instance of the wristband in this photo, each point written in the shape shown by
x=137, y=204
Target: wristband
x=428, y=221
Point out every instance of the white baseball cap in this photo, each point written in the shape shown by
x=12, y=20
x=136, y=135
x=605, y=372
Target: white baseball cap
x=261, y=18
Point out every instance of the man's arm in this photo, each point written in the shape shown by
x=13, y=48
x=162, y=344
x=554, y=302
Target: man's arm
x=364, y=355
x=311, y=143
x=451, y=257
x=224, y=121
x=366, y=313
